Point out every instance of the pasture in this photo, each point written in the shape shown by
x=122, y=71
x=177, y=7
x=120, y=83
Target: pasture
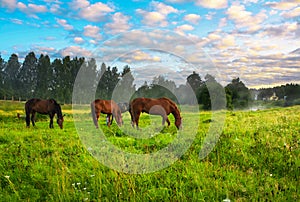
x=255, y=159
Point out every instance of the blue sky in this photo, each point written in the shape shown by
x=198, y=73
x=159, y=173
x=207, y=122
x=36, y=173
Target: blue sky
x=255, y=40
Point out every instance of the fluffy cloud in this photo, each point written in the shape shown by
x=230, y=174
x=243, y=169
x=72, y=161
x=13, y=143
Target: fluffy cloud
x=64, y=24
x=93, y=32
x=192, y=18
x=283, y=5
x=183, y=28
x=243, y=18
x=216, y=4
x=78, y=40
x=157, y=17
x=10, y=4
x=119, y=24
x=292, y=13
x=95, y=12
x=74, y=51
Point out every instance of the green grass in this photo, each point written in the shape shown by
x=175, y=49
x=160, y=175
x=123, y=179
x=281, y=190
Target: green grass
x=255, y=159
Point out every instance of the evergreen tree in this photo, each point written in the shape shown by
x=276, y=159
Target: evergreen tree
x=44, y=77
x=125, y=87
x=240, y=93
x=11, y=81
x=2, y=77
x=28, y=76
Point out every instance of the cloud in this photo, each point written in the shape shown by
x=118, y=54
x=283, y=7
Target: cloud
x=182, y=28
x=75, y=51
x=292, y=13
x=78, y=4
x=95, y=12
x=78, y=40
x=9, y=4
x=119, y=24
x=92, y=31
x=283, y=5
x=64, y=24
x=16, y=21
x=246, y=19
x=163, y=8
x=192, y=18
x=157, y=17
x=216, y=4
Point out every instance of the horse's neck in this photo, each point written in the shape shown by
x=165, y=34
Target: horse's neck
x=175, y=112
x=58, y=111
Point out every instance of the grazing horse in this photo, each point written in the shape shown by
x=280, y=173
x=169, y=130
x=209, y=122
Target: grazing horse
x=160, y=106
x=50, y=107
x=108, y=107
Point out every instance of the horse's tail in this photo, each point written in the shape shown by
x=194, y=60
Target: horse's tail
x=94, y=114
x=28, y=106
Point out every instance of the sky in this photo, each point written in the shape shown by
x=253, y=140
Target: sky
x=255, y=40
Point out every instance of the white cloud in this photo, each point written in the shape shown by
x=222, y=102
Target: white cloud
x=157, y=17
x=93, y=32
x=283, y=5
x=292, y=13
x=216, y=4
x=163, y=8
x=64, y=24
x=95, y=12
x=183, y=28
x=78, y=4
x=119, y=24
x=152, y=18
x=10, y=4
x=75, y=51
x=192, y=18
x=243, y=18
x=78, y=40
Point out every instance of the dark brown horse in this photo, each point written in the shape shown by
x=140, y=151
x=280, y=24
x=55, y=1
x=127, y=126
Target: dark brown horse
x=160, y=106
x=50, y=107
x=108, y=107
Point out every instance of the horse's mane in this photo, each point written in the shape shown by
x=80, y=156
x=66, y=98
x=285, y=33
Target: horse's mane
x=57, y=107
x=175, y=111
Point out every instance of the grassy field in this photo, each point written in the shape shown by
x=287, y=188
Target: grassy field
x=255, y=159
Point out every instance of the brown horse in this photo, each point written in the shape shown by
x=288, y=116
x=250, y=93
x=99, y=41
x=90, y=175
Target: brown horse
x=49, y=107
x=160, y=106
x=108, y=107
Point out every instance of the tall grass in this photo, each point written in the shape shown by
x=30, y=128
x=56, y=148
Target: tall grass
x=255, y=159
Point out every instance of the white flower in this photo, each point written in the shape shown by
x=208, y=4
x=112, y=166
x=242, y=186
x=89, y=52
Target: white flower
x=7, y=177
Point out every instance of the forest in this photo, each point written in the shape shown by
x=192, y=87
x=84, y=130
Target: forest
x=45, y=78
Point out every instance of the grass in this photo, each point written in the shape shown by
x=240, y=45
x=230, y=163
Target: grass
x=255, y=159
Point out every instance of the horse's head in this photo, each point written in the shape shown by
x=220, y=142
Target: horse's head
x=60, y=122
x=178, y=122
x=119, y=118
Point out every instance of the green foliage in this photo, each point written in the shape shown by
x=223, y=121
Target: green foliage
x=255, y=159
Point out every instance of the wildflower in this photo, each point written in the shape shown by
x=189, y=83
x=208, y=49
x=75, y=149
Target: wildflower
x=7, y=177
x=226, y=200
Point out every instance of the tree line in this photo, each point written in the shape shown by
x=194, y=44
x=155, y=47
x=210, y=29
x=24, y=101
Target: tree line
x=40, y=77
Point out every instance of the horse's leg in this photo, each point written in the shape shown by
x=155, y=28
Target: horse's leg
x=164, y=119
x=27, y=119
x=108, y=122
x=51, y=121
x=32, y=118
x=136, y=117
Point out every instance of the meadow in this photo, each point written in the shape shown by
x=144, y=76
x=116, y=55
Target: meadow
x=255, y=159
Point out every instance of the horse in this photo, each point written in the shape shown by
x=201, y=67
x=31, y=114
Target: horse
x=50, y=107
x=161, y=106
x=108, y=107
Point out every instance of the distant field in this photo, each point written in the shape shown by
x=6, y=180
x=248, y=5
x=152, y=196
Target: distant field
x=255, y=159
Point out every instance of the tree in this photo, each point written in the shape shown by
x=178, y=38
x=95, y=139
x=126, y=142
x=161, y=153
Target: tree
x=28, y=76
x=44, y=76
x=125, y=87
x=239, y=92
x=2, y=77
x=11, y=81
x=212, y=94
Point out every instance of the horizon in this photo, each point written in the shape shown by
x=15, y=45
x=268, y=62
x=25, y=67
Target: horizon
x=255, y=40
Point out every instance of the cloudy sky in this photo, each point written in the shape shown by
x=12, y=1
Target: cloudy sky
x=256, y=40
